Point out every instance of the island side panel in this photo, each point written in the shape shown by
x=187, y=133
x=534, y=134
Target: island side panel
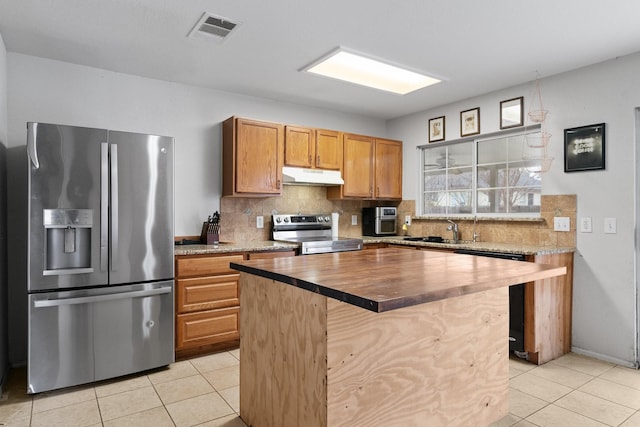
x=443, y=363
x=548, y=312
x=282, y=354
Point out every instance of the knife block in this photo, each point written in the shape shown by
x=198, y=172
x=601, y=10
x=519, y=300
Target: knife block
x=210, y=234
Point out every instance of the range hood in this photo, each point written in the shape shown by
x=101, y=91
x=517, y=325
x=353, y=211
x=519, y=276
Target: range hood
x=303, y=176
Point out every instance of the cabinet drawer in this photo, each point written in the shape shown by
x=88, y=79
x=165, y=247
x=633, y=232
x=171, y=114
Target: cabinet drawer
x=206, y=293
x=205, y=265
x=207, y=327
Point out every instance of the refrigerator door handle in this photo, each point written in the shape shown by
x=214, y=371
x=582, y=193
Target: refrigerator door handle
x=101, y=298
x=114, y=207
x=104, y=205
x=32, y=147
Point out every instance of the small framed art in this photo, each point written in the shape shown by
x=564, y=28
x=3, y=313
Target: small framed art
x=436, y=129
x=511, y=113
x=470, y=122
x=584, y=148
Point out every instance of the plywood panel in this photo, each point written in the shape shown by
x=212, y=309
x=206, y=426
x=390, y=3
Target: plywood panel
x=282, y=354
x=438, y=364
x=306, y=360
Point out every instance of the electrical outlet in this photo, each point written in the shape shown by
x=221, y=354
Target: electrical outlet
x=610, y=226
x=585, y=225
x=260, y=221
x=407, y=219
x=561, y=223
x=354, y=219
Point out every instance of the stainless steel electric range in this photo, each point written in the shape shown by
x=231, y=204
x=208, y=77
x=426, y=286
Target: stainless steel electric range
x=312, y=233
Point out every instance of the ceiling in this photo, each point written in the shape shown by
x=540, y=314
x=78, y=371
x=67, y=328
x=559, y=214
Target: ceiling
x=476, y=46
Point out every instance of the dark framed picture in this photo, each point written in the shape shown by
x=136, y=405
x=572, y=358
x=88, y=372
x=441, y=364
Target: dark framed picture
x=584, y=148
x=436, y=129
x=512, y=113
x=470, y=122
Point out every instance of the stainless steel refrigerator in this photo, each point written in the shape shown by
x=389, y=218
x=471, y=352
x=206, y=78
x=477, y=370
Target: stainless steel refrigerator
x=100, y=259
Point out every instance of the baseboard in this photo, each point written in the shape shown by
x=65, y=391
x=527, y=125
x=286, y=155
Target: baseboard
x=604, y=357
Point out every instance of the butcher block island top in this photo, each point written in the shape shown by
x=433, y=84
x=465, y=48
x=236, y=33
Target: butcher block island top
x=384, y=337
x=387, y=279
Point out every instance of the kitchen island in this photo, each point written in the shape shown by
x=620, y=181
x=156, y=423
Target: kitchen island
x=380, y=337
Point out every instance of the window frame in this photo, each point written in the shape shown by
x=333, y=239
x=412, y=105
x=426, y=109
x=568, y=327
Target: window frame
x=475, y=141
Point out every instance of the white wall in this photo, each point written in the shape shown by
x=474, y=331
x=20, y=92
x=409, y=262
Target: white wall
x=604, y=323
x=56, y=92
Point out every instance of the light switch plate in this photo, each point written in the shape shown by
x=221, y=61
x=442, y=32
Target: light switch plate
x=260, y=221
x=354, y=219
x=585, y=225
x=407, y=219
x=561, y=223
x=610, y=226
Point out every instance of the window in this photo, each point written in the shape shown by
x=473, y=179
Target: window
x=484, y=176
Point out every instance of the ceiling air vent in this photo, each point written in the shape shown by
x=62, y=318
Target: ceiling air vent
x=213, y=26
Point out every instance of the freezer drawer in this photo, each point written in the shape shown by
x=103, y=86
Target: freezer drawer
x=77, y=337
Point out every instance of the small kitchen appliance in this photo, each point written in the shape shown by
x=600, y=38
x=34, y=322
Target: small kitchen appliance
x=312, y=233
x=379, y=221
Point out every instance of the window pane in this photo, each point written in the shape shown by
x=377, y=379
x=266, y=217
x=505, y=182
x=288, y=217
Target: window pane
x=492, y=176
x=492, y=151
x=525, y=200
x=461, y=178
x=435, y=202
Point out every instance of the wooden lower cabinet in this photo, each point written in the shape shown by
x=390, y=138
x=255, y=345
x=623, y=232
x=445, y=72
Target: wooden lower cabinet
x=208, y=301
x=548, y=311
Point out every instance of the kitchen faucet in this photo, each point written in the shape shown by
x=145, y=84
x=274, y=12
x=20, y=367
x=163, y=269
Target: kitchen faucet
x=453, y=227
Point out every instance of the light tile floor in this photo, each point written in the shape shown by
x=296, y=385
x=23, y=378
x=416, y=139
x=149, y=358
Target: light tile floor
x=570, y=391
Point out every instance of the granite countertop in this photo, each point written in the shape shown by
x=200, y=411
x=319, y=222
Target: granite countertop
x=270, y=245
x=511, y=248
x=392, y=278
x=226, y=247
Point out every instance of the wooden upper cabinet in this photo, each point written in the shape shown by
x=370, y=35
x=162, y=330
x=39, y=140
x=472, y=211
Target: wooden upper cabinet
x=388, y=169
x=358, y=166
x=371, y=169
x=312, y=148
x=299, y=146
x=253, y=157
x=328, y=149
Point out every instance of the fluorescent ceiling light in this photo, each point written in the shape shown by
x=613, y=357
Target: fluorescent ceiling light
x=355, y=68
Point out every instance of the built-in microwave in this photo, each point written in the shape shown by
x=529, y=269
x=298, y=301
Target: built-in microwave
x=379, y=221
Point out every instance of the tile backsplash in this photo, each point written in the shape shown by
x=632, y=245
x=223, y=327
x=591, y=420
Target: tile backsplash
x=238, y=218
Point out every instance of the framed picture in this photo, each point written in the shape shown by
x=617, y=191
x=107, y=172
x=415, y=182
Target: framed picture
x=511, y=113
x=436, y=129
x=584, y=148
x=470, y=122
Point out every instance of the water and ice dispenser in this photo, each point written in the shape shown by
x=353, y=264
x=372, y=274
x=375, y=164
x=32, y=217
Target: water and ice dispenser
x=67, y=241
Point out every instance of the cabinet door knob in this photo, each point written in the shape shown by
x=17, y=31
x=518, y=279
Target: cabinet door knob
x=318, y=161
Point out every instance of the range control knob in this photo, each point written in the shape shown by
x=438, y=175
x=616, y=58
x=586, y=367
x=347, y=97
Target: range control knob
x=286, y=219
x=320, y=219
x=278, y=220
x=327, y=219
